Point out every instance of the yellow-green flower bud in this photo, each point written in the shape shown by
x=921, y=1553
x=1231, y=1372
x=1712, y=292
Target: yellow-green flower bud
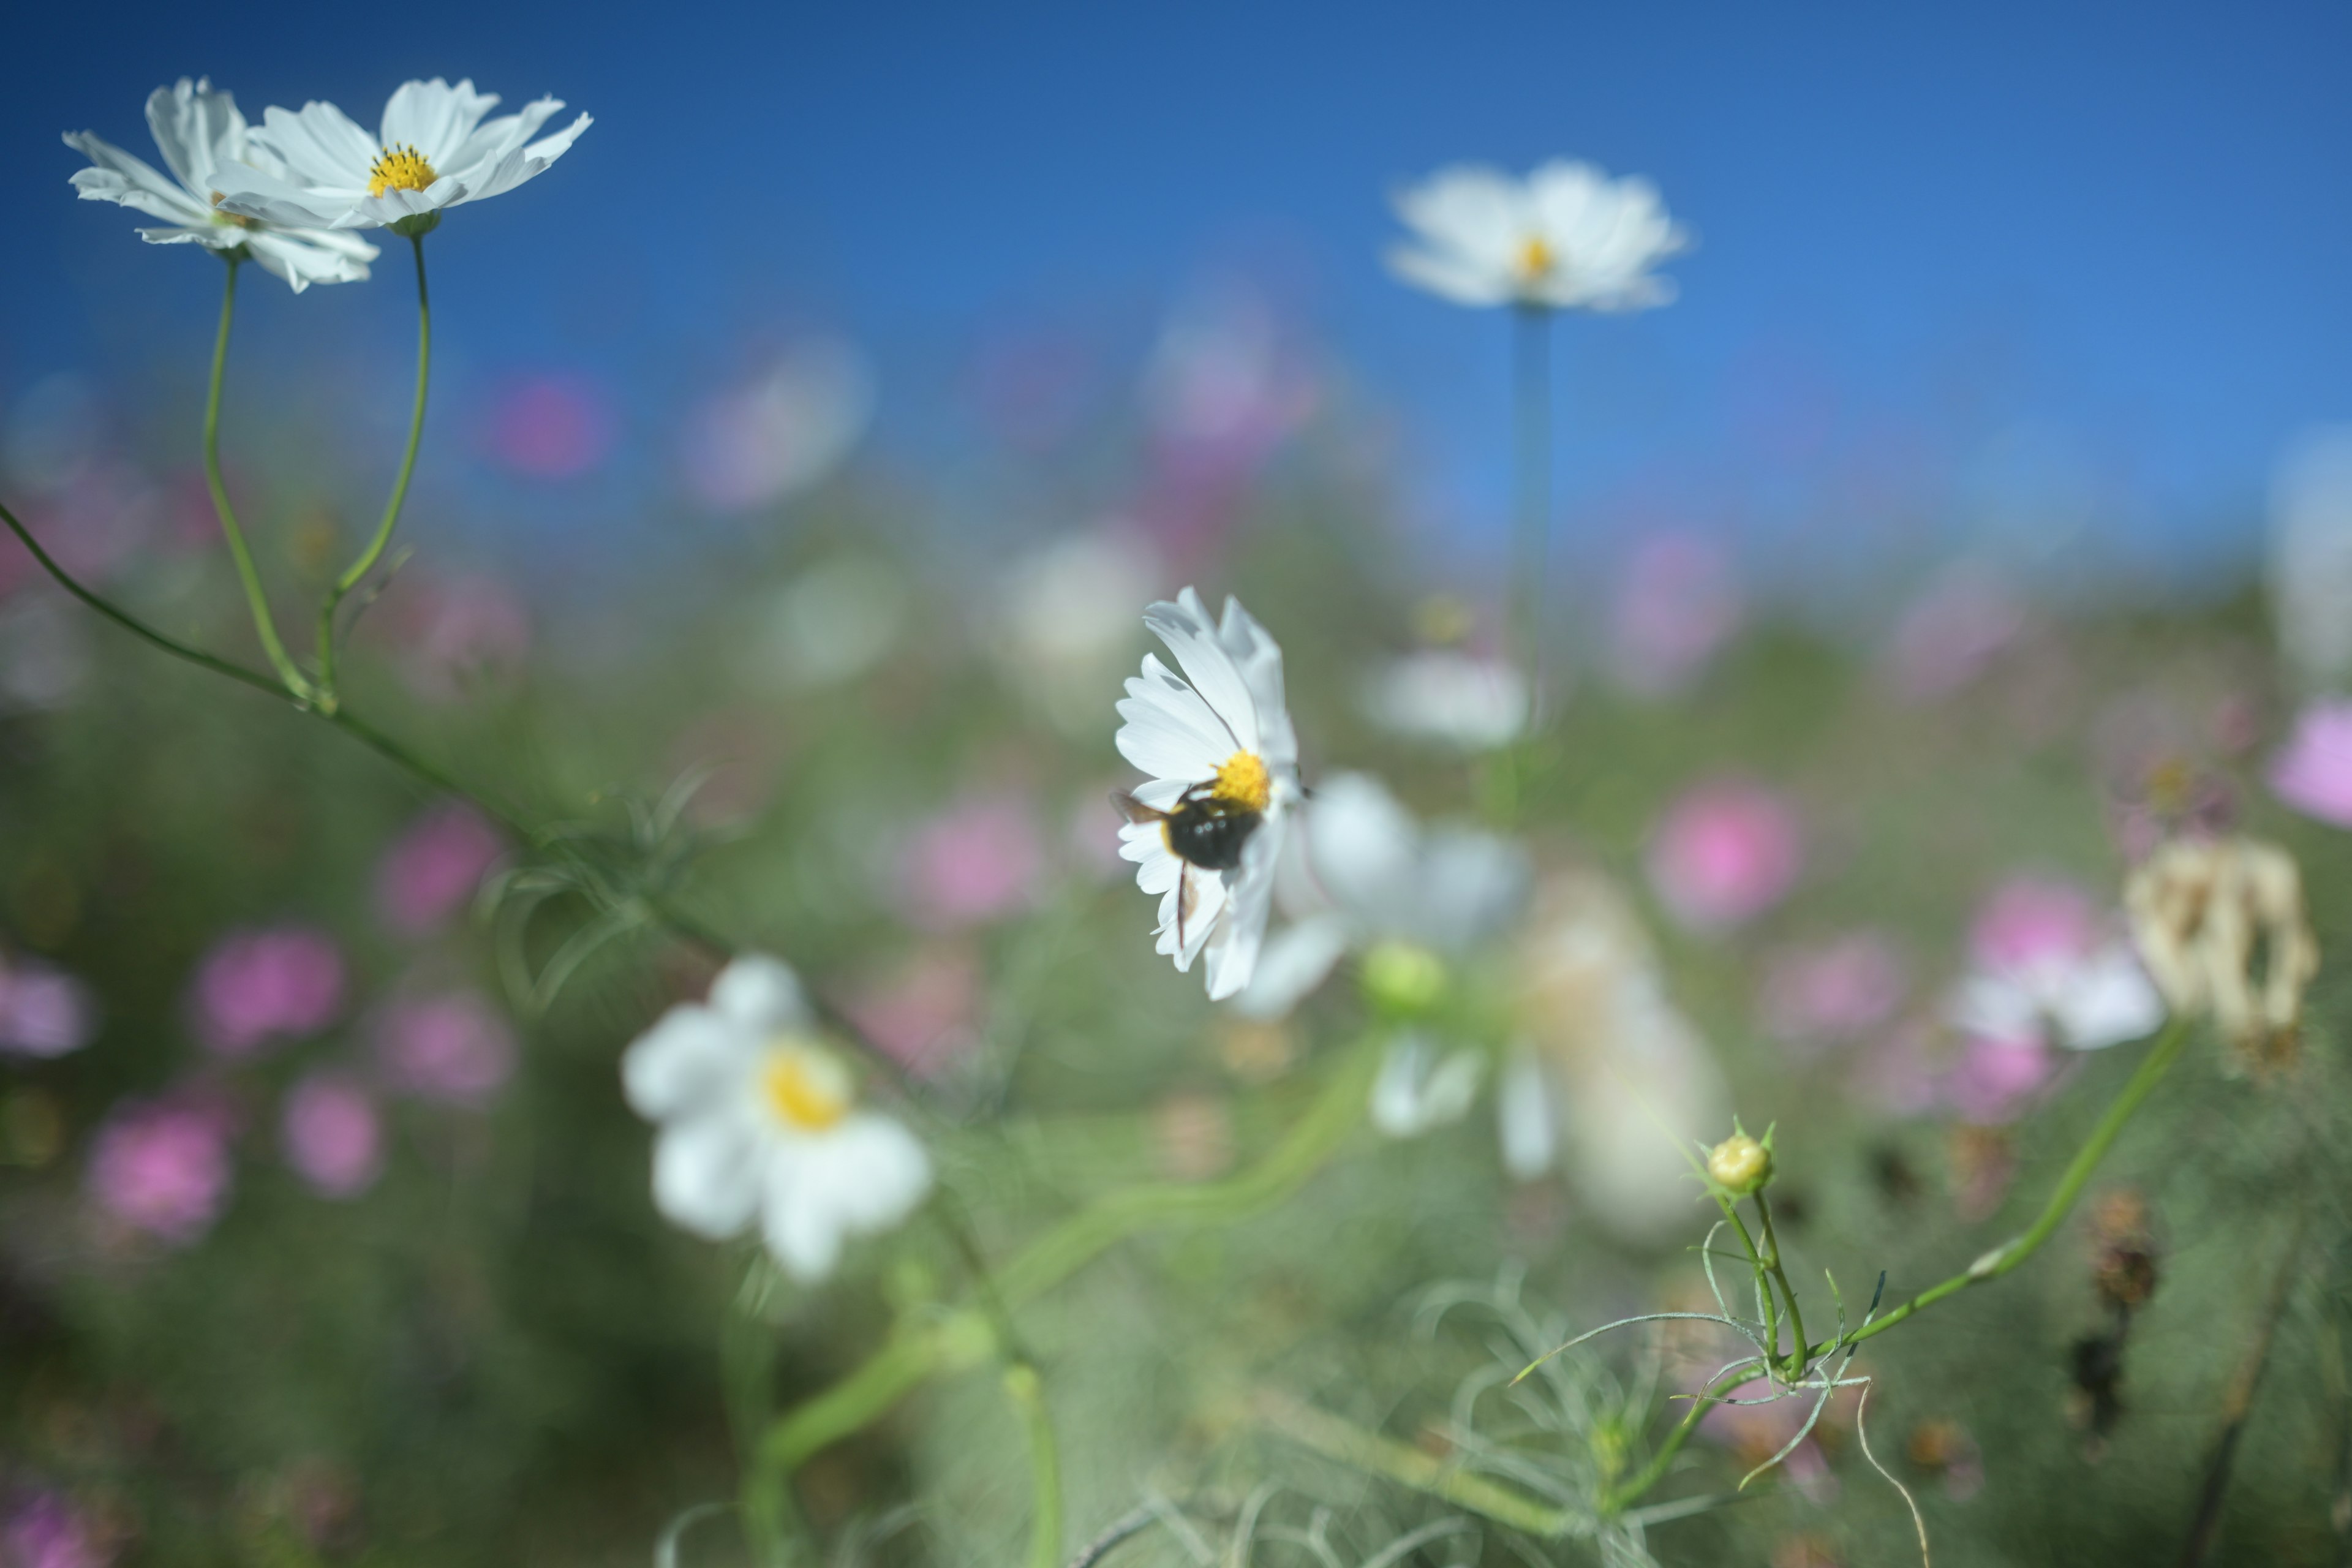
x=1401, y=978
x=1739, y=1164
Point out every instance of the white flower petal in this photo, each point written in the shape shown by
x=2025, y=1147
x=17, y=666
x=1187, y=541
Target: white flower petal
x=1293, y=963
x=1208, y=666
x=760, y=995
x=2109, y=1000
x=708, y=1172
x=1526, y=1126
x=324, y=148
x=434, y=117
x=692, y=1058
x=1232, y=951
x=863, y=1176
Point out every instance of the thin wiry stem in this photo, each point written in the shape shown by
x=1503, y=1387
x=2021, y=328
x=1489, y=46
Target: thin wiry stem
x=256, y=599
x=359, y=569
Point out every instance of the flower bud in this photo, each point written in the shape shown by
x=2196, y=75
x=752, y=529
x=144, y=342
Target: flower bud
x=1403, y=979
x=1741, y=1164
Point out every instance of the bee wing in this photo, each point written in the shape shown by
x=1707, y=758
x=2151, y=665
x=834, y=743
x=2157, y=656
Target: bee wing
x=1135, y=810
x=1186, y=896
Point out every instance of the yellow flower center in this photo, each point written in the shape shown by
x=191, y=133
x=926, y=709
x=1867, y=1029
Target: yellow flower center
x=806, y=1088
x=231, y=220
x=1537, y=258
x=400, y=168
x=1243, y=781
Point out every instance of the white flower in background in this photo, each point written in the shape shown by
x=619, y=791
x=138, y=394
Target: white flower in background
x=203, y=137
x=781, y=430
x=1448, y=697
x=1066, y=620
x=1206, y=829
x=1615, y=1082
x=2047, y=969
x=1566, y=237
x=760, y=1122
x=434, y=150
x=1374, y=875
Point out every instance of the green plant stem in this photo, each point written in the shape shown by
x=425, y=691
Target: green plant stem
x=1617, y=1501
x=1022, y=1386
x=1780, y=1276
x=254, y=599
x=1349, y=1444
x=2010, y=1253
x=1531, y=524
x=359, y=569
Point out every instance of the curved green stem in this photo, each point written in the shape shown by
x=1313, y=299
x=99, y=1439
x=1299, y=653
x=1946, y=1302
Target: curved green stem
x=1799, y=1353
x=359, y=569
x=1349, y=1444
x=254, y=599
x=1028, y=1395
x=1649, y=1475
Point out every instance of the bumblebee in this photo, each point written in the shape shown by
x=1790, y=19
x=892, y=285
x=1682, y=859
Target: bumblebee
x=1208, y=828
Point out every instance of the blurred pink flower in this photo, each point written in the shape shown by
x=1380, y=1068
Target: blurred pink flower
x=1724, y=853
x=978, y=859
x=1950, y=633
x=2030, y=919
x=1995, y=1080
x=924, y=1014
x=45, y=1531
x=163, y=1167
x=551, y=427
x=44, y=1011
x=2313, y=773
x=453, y=1046
x=2046, y=970
x=331, y=1135
x=259, y=987
x=432, y=868
x=1678, y=601
x=1834, y=992
x=457, y=635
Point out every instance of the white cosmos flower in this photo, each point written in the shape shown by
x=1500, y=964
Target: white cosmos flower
x=205, y=141
x=1220, y=728
x=434, y=150
x=760, y=1121
x=1449, y=697
x=1568, y=236
x=1374, y=875
x=2084, y=1001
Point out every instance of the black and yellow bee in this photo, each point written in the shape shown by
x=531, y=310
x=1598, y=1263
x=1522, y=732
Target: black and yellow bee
x=1208, y=827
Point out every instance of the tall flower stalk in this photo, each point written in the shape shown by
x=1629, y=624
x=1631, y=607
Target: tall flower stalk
x=256, y=599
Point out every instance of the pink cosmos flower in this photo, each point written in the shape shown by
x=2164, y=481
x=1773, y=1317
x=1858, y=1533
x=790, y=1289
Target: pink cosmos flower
x=978, y=859
x=1995, y=1080
x=2313, y=773
x=1834, y=992
x=259, y=987
x=162, y=1166
x=551, y=427
x=46, y=1531
x=452, y=1046
x=1724, y=853
x=331, y=1135
x=432, y=870
x=44, y=1011
x=1679, y=601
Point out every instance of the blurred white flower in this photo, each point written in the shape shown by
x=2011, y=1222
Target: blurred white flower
x=1615, y=1082
x=1066, y=621
x=434, y=150
x=2311, y=556
x=206, y=144
x=1450, y=697
x=1375, y=874
x=1417, y=1090
x=759, y=1121
x=1567, y=236
x=832, y=623
x=2047, y=968
x=781, y=431
x=1223, y=765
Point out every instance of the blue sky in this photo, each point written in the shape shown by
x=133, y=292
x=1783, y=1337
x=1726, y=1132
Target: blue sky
x=2106, y=243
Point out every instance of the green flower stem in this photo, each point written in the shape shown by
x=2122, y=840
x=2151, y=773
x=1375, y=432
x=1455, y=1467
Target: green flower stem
x=374, y=551
x=256, y=600
x=2010, y=1253
x=1616, y=1502
x=1992, y=1266
x=1028, y=1396
x=964, y=1338
x=1350, y=1445
x=1799, y=1352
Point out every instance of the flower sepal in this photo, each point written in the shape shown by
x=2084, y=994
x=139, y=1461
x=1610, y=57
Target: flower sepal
x=415, y=226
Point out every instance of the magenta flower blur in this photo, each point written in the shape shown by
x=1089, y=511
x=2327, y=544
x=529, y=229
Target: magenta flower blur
x=1995, y=1080
x=1679, y=602
x=332, y=1136
x=162, y=1166
x=452, y=1046
x=2313, y=773
x=257, y=988
x=44, y=1011
x=551, y=426
x=977, y=860
x=45, y=1531
x=1723, y=854
x=1834, y=992
x=431, y=870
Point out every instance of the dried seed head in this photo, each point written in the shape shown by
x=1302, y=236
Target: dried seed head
x=2220, y=926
